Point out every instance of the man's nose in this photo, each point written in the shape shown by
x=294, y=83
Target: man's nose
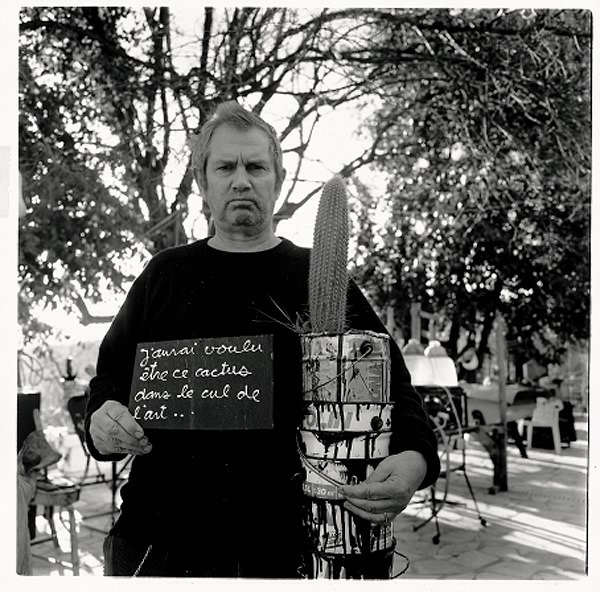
x=240, y=179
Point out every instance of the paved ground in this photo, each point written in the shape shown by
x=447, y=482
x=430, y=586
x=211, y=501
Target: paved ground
x=534, y=531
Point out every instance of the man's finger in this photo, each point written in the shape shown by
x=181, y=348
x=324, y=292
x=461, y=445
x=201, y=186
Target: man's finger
x=114, y=430
x=378, y=516
x=382, y=471
x=367, y=490
x=369, y=506
x=125, y=420
x=369, y=487
x=136, y=451
x=113, y=444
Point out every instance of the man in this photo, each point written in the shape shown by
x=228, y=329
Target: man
x=229, y=502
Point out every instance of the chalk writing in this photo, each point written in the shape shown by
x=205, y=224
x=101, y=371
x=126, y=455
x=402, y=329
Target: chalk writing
x=204, y=383
x=186, y=392
x=228, y=349
x=159, y=352
x=149, y=414
x=224, y=370
x=151, y=373
x=253, y=396
x=143, y=395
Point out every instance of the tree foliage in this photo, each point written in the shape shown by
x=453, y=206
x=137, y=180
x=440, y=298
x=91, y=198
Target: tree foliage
x=107, y=99
x=482, y=127
x=486, y=119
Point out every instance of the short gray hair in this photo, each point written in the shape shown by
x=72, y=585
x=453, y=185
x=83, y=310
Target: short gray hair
x=231, y=113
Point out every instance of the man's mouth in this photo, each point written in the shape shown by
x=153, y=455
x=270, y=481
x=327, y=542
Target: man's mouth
x=242, y=202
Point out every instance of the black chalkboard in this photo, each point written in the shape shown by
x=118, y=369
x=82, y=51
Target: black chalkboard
x=204, y=384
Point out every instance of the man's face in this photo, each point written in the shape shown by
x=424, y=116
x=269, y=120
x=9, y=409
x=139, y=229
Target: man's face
x=240, y=181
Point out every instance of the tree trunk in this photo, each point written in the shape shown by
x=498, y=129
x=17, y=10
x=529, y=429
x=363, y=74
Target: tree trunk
x=452, y=343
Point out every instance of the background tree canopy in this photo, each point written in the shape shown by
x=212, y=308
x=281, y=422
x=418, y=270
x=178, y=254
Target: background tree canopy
x=108, y=97
x=488, y=153
x=479, y=119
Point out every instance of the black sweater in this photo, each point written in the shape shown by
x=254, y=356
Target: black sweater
x=212, y=482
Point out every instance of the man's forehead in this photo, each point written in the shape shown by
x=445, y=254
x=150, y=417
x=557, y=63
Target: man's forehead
x=230, y=142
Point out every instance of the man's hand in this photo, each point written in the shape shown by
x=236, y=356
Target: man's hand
x=114, y=431
x=388, y=490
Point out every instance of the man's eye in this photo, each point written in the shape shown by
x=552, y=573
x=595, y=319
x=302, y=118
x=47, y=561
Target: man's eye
x=256, y=167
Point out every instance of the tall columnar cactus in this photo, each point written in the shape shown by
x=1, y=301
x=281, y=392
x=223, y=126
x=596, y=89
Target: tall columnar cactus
x=328, y=276
x=343, y=382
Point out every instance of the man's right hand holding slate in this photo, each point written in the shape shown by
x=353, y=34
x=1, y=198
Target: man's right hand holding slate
x=114, y=431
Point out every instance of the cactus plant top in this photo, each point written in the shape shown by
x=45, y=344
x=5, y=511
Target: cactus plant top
x=328, y=275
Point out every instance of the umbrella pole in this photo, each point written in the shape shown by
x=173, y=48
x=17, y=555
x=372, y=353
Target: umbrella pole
x=501, y=359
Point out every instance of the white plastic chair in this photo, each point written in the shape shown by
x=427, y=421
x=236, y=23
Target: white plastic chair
x=545, y=415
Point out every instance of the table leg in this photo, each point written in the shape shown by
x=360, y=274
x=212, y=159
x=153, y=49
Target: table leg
x=74, y=541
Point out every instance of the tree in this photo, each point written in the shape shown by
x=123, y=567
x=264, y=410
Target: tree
x=107, y=99
x=488, y=157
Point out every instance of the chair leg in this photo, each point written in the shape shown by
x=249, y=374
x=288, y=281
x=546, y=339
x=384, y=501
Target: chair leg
x=515, y=434
x=556, y=438
x=31, y=518
x=49, y=515
x=436, y=537
x=529, y=434
x=113, y=488
x=433, y=514
x=74, y=541
x=482, y=520
x=521, y=426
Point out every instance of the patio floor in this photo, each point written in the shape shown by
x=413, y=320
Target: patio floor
x=534, y=531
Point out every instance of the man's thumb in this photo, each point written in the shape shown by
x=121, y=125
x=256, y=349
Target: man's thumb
x=381, y=473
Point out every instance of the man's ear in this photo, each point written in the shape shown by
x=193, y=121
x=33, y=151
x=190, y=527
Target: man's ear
x=196, y=176
x=283, y=176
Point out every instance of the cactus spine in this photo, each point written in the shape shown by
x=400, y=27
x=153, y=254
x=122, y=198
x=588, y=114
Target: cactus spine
x=328, y=273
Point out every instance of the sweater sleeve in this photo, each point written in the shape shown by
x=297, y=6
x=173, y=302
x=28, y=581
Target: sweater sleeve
x=116, y=358
x=411, y=429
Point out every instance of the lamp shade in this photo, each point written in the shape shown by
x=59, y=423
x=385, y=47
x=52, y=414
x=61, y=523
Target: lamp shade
x=444, y=371
x=431, y=371
x=421, y=371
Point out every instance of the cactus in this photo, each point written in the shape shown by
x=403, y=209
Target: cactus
x=328, y=275
x=341, y=545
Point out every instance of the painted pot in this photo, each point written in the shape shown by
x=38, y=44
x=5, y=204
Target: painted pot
x=345, y=433
x=324, y=476
x=349, y=367
x=328, y=416
x=337, y=531
x=344, y=446
x=370, y=566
